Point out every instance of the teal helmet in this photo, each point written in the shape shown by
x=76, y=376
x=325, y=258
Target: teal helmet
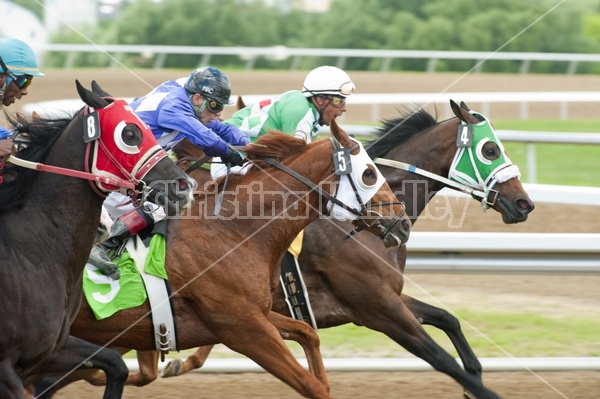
x=18, y=57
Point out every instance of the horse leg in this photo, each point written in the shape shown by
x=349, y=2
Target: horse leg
x=303, y=334
x=148, y=370
x=148, y=364
x=73, y=362
x=443, y=320
x=11, y=386
x=196, y=360
x=398, y=323
x=259, y=340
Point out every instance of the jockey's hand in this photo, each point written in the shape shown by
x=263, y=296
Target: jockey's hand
x=6, y=148
x=234, y=158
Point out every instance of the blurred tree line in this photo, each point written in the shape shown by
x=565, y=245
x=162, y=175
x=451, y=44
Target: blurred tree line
x=467, y=25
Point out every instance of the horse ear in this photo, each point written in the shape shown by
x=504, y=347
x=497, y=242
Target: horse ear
x=89, y=97
x=99, y=90
x=455, y=108
x=340, y=135
x=21, y=119
x=462, y=112
x=240, y=103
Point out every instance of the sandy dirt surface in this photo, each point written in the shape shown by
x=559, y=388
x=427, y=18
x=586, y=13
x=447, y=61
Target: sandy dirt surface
x=367, y=385
x=547, y=293
x=60, y=84
x=553, y=295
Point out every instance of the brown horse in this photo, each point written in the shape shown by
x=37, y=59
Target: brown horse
x=45, y=221
x=222, y=270
x=350, y=282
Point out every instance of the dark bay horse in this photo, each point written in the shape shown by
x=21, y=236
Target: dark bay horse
x=358, y=282
x=352, y=282
x=223, y=270
x=45, y=220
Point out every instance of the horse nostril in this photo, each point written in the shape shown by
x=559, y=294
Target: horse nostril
x=524, y=205
x=406, y=225
x=183, y=185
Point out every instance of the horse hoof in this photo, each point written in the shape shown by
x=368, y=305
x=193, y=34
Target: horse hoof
x=172, y=368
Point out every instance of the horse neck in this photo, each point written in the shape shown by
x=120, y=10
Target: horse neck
x=432, y=150
x=60, y=212
x=277, y=207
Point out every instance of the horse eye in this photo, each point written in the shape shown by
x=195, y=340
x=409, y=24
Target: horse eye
x=369, y=177
x=491, y=151
x=132, y=135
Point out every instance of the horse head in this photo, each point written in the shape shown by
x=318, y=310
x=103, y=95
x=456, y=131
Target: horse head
x=482, y=162
x=421, y=156
x=366, y=197
x=122, y=146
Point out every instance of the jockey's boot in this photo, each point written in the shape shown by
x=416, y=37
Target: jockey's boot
x=124, y=227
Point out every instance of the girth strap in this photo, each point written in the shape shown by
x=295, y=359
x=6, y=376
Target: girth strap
x=294, y=290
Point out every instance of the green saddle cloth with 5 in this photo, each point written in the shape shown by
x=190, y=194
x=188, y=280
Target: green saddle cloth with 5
x=107, y=296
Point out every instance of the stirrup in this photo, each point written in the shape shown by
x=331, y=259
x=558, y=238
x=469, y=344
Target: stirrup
x=99, y=259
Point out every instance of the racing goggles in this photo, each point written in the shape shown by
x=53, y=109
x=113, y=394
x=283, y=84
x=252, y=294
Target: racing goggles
x=22, y=81
x=214, y=106
x=347, y=88
x=336, y=101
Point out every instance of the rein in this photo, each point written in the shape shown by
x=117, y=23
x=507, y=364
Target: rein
x=197, y=163
x=363, y=211
x=458, y=186
x=130, y=185
x=465, y=174
x=312, y=185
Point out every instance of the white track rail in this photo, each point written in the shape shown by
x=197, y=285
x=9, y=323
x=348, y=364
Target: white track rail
x=244, y=365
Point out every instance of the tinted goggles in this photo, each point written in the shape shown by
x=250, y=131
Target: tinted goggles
x=336, y=101
x=22, y=81
x=213, y=105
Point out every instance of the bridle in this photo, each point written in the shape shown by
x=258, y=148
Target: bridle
x=136, y=189
x=473, y=182
x=363, y=210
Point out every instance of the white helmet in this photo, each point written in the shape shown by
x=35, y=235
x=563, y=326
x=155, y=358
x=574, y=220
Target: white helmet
x=327, y=80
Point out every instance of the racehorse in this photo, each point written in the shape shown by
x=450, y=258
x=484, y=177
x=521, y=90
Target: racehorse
x=349, y=282
x=222, y=270
x=44, y=220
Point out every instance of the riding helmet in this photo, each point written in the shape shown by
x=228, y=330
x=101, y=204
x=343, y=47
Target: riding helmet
x=211, y=83
x=18, y=57
x=328, y=80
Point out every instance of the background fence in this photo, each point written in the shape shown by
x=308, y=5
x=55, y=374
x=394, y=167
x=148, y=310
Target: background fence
x=48, y=108
x=249, y=55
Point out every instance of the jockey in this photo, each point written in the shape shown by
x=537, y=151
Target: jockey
x=296, y=112
x=301, y=113
x=18, y=66
x=174, y=112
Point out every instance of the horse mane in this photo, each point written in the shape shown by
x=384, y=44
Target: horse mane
x=396, y=131
x=40, y=133
x=276, y=145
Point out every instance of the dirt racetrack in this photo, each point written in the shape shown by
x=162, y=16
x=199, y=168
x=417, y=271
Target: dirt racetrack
x=60, y=84
x=574, y=292
x=388, y=385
